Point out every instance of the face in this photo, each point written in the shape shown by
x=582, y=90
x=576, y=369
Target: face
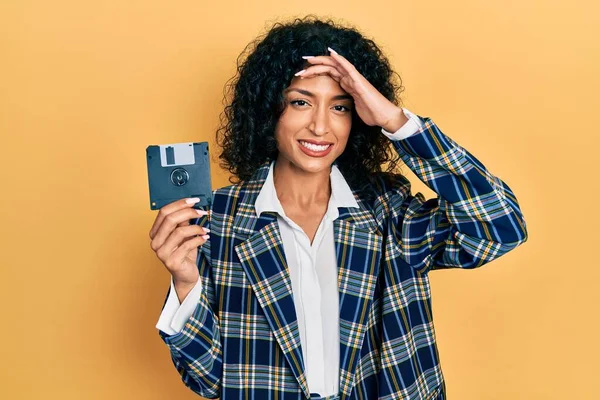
x=314, y=127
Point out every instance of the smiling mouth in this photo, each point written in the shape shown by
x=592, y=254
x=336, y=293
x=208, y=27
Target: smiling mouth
x=314, y=147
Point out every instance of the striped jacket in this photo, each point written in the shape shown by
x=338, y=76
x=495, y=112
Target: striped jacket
x=242, y=341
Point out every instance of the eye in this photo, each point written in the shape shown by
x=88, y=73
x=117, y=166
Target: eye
x=346, y=108
x=298, y=101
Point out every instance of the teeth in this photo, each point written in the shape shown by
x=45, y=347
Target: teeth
x=314, y=147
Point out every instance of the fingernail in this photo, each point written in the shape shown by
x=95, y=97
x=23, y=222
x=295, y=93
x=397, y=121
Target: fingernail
x=206, y=230
x=332, y=50
x=205, y=237
x=202, y=212
x=299, y=72
x=305, y=57
x=192, y=200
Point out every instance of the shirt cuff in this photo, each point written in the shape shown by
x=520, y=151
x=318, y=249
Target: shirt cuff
x=174, y=315
x=412, y=126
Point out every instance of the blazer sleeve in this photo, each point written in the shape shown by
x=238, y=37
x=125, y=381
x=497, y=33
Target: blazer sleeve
x=475, y=217
x=196, y=350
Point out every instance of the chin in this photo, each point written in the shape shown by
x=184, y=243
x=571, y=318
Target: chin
x=315, y=165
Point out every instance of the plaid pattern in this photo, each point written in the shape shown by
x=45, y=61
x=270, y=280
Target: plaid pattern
x=242, y=340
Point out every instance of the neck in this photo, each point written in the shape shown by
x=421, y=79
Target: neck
x=299, y=188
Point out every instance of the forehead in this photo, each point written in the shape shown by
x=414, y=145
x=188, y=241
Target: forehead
x=317, y=86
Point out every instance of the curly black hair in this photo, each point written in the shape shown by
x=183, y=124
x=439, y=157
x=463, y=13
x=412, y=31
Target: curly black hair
x=247, y=124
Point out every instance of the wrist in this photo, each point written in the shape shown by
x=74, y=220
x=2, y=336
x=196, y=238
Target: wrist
x=185, y=282
x=396, y=122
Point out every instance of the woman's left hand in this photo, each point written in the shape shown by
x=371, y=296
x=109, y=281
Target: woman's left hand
x=371, y=106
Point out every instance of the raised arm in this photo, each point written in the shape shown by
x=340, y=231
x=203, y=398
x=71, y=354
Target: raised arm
x=474, y=219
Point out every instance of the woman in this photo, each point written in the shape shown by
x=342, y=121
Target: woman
x=314, y=282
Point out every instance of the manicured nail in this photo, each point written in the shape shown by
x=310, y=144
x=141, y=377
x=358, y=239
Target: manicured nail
x=202, y=212
x=205, y=237
x=299, y=72
x=192, y=200
x=305, y=57
x=332, y=50
x=206, y=230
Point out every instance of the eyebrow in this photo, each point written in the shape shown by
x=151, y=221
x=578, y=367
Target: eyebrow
x=310, y=94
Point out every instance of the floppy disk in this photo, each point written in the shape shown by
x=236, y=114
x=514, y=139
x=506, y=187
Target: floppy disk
x=177, y=171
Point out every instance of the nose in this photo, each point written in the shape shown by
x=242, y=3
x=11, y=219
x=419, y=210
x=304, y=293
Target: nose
x=319, y=123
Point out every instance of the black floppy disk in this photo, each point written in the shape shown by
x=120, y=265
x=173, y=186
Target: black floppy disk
x=177, y=171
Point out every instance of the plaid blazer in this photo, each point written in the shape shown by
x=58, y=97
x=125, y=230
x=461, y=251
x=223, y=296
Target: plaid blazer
x=242, y=340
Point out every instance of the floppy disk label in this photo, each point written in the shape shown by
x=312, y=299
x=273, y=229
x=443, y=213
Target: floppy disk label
x=177, y=154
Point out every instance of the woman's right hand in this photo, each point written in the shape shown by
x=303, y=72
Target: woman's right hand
x=174, y=240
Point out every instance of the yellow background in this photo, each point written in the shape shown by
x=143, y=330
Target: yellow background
x=85, y=86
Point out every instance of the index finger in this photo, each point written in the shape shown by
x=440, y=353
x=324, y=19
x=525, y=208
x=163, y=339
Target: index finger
x=169, y=209
x=346, y=65
x=325, y=60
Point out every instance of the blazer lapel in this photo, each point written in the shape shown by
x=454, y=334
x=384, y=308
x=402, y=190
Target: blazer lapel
x=262, y=257
x=358, y=249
